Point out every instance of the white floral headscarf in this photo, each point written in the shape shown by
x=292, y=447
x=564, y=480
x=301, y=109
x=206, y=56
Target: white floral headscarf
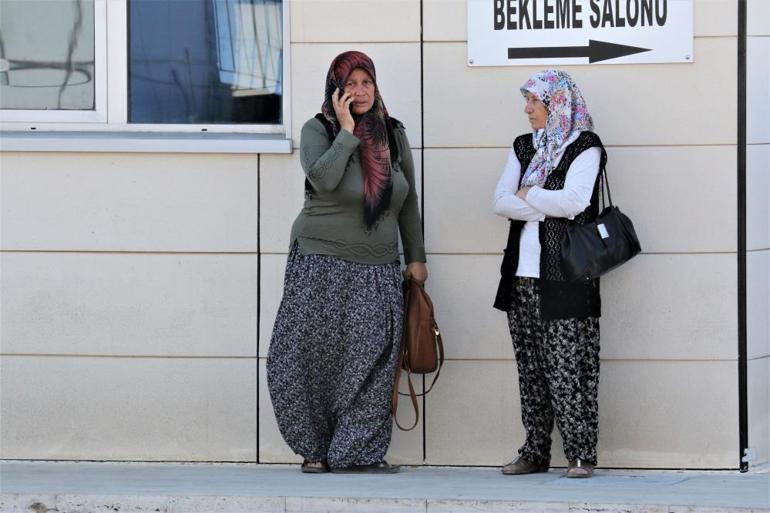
x=567, y=117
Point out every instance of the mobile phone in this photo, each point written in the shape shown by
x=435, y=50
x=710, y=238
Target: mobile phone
x=342, y=91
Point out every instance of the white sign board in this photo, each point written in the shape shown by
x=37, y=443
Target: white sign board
x=545, y=32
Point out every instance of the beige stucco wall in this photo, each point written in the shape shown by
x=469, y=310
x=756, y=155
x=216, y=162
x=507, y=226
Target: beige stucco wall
x=139, y=290
x=129, y=306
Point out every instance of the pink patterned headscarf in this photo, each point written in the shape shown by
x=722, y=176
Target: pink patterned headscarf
x=371, y=128
x=567, y=117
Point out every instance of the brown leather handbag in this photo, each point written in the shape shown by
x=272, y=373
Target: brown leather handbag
x=422, y=350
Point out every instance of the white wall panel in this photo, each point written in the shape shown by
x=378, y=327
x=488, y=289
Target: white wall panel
x=758, y=303
x=147, y=409
x=758, y=227
x=473, y=414
x=446, y=20
x=482, y=107
x=460, y=184
x=759, y=409
x=671, y=307
x=757, y=197
x=128, y=202
x=758, y=19
x=354, y=21
x=715, y=18
x=758, y=90
x=281, y=196
x=470, y=107
x=656, y=187
x=398, y=78
x=653, y=307
x=637, y=427
x=668, y=414
x=463, y=288
x=129, y=304
x=459, y=187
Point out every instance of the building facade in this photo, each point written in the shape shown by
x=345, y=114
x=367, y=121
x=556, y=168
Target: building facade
x=141, y=273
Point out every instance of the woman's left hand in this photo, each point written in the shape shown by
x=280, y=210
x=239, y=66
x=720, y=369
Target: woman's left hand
x=522, y=193
x=417, y=271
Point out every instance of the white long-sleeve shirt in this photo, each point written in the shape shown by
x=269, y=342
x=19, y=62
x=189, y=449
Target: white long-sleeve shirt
x=541, y=203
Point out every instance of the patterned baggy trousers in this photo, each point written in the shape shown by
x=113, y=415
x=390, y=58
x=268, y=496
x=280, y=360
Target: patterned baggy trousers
x=332, y=358
x=558, y=364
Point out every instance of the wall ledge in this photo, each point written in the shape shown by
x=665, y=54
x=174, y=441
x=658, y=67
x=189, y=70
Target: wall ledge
x=143, y=142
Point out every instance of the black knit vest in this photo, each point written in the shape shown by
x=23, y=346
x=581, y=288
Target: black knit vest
x=559, y=299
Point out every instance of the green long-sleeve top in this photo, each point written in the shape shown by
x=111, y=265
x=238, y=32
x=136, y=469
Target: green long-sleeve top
x=331, y=221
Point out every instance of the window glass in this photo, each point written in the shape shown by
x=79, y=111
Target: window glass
x=205, y=61
x=47, y=54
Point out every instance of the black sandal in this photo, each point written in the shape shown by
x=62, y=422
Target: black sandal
x=382, y=467
x=314, y=467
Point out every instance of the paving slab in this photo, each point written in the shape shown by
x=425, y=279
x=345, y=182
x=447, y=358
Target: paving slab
x=89, y=487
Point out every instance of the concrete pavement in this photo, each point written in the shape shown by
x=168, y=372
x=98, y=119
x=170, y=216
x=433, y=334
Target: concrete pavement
x=86, y=487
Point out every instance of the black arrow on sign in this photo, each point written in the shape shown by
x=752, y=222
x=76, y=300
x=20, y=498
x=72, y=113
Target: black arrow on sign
x=595, y=51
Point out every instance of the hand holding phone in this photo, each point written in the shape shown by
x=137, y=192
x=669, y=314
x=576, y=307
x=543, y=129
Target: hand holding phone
x=343, y=103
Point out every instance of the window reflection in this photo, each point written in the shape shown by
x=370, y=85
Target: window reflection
x=47, y=54
x=205, y=61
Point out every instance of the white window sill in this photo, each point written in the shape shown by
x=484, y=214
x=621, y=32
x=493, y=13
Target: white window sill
x=143, y=142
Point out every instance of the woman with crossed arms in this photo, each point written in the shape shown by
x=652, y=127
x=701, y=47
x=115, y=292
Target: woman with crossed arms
x=550, y=178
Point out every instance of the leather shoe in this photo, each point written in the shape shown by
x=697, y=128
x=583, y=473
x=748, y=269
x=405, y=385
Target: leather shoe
x=382, y=467
x=522, y=466
x=579, y=468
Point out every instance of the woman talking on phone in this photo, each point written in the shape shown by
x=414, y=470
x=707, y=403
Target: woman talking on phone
x=335, y=343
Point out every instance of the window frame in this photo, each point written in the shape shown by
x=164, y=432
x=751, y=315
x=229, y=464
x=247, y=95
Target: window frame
x=111, y=93
x=99, y=114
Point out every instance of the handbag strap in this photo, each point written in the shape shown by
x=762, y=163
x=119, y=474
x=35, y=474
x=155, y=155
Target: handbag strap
x=412, y=395
x=440, y=345
x=397, y=380
x=605, y=185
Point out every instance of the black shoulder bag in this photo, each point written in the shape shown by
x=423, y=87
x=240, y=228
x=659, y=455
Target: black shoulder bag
x=592, y=249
